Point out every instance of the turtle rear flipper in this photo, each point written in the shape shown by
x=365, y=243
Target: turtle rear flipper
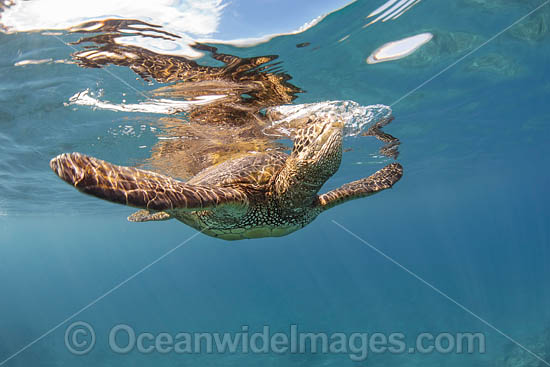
x=139, y=188
x=145, y=215
x=381, y=180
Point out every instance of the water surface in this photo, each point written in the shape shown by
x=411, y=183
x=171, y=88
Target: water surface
x=470, y=216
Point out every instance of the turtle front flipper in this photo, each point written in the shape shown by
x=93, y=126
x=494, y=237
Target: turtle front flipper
x=139, y=188
x=381, y=180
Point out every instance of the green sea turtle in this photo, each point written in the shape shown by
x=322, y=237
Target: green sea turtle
x=258, y=195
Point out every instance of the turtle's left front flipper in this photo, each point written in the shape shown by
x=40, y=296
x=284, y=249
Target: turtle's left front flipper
x=381, y=180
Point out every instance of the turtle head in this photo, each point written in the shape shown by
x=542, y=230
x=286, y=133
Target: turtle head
x=316, y=156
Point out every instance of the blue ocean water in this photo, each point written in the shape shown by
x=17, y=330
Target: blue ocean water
x=467, y=227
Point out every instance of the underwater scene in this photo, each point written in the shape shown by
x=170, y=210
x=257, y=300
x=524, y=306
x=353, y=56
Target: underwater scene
x=192, y=183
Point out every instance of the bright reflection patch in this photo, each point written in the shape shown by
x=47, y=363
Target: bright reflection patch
x=356, y=118
x=399, y=49
x=162, y=106
x=190, y=19
x=396, y=9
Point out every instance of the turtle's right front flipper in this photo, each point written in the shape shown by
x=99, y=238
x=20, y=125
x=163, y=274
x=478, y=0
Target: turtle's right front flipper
x=381, y=180
x=139, y=188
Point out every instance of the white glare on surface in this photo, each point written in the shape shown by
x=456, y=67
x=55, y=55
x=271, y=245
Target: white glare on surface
x=199, y=17
x=32, y=62
x=253, y=41
x=395, y=10
x=403, y=6
x=190, y=19
x=382, y=8
x=405, y=9
x=356, y=118
x=162, y=106
x=398, y=49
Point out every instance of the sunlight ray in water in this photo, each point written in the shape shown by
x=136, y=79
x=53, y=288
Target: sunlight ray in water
x=3, y=212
